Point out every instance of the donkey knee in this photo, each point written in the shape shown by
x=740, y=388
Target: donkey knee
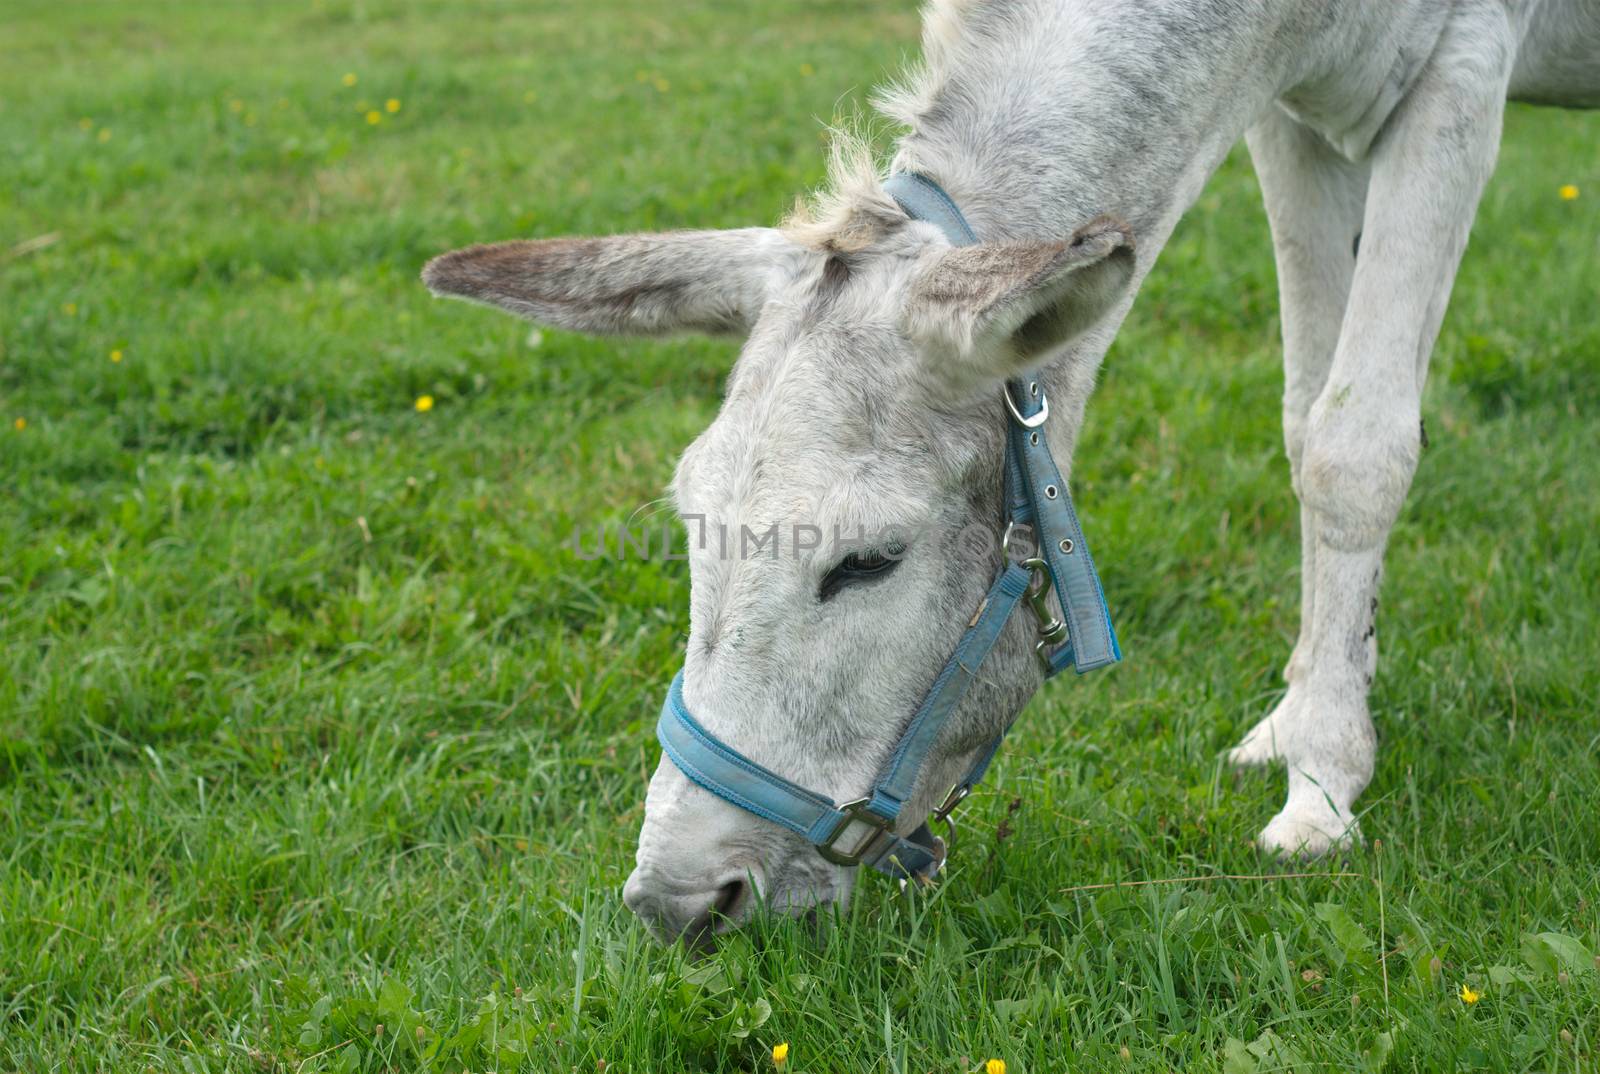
x=1295, y=422
x=1356, y=468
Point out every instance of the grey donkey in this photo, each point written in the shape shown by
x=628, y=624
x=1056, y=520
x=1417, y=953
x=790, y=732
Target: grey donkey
x=1072, y=133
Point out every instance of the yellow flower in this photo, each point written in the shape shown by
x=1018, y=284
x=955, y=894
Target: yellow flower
x=806, y=70
x=69, y=308
x=236, y=106
x=424, y=404
x=529, y=97
x=995, y=1066
x=780, y=1054
x=374, y=117
x=86, y=124
x=349, y=79
x=392, y=105
x=104, y=135
x=116, y=356
x=662, y=85
x=22, y=423
x=1568, y=193
x=1468, y=996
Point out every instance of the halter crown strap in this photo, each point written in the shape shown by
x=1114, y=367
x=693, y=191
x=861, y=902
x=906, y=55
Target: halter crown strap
x=1036, y=494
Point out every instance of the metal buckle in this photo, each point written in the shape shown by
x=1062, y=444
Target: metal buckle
x=1052, y=631
x=1016, y=415
x=941, y=854
x=957, y=795
x=853, y=812
x=941, y=847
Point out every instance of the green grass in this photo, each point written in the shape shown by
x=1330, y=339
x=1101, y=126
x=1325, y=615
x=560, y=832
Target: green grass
x=309, y=722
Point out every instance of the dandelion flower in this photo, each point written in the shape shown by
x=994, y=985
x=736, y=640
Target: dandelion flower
x=104, y=135
x=236, y=105
x=86, y=124
x=22, y=423
x=1568, y=192
x=1468, y=996
x=392, y=105
x=69, y=308
x=806, y=70
x=995, y=1066
x=349, y=79
x=662, y=85
x=424, y=404
x=780, y=1054
x=116, y=356
x=374, y=117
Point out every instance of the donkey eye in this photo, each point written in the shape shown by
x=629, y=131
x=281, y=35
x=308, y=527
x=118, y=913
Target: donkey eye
x=867, y=564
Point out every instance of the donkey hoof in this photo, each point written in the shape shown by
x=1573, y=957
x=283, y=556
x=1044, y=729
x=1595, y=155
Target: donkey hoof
x=1293, y=835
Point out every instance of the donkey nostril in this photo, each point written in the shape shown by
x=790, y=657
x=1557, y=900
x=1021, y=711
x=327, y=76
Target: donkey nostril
x=730, y=897
x=724, y=907
x=724, y=903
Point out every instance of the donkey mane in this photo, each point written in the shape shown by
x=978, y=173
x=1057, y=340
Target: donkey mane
x=946, y=26
x=850, y=212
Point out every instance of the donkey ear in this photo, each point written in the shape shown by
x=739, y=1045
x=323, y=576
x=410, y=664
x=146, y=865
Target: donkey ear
x=712, y=282
x=994, y=309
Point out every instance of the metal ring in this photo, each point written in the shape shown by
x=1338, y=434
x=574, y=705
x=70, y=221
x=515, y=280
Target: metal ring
x=1049, y=492
x=1016, y=415
x=1011, y=531
x=1033, y=438
x=1066, y=546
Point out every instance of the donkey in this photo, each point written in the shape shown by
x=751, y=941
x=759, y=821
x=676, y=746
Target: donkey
x=867, y=397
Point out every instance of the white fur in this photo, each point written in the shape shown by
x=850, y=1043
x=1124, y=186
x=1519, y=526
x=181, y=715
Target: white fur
x=867, y=392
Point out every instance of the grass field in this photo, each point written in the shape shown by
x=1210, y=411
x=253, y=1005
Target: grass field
x=319, y=750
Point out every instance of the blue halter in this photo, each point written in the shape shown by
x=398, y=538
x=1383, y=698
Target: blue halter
x=865, y=831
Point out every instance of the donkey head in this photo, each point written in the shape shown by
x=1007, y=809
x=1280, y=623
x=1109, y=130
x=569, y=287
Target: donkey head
x=831, y=507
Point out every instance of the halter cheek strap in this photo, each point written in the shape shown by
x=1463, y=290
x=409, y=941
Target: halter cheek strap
x=1036, y=495
x=866, y=831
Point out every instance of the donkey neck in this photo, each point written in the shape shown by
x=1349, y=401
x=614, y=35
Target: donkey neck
x=1038, y=115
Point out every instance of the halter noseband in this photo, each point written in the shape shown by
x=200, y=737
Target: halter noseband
x=864, y=831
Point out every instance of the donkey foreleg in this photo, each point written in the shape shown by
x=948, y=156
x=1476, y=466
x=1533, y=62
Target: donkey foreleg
x=1314, y=200
x=1361, y=435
